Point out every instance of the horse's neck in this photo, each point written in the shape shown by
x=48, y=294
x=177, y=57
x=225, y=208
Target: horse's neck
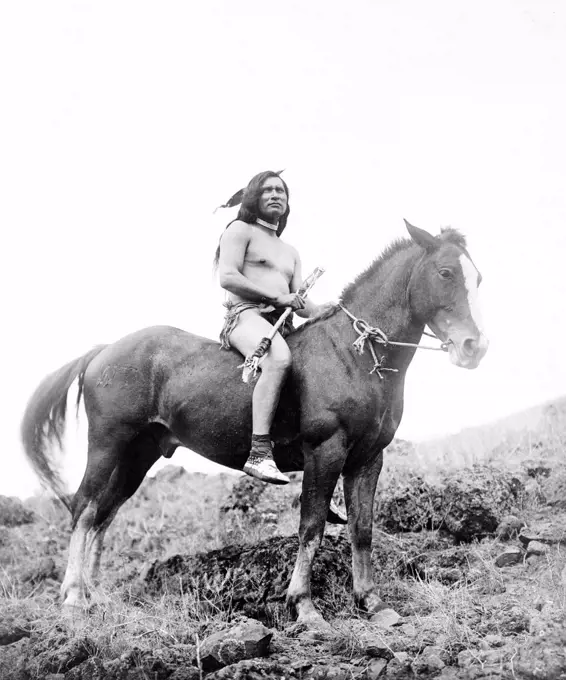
x=382, y=299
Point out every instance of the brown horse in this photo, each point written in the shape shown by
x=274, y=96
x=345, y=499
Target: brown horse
x=161, y=387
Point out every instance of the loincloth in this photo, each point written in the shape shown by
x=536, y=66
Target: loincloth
x=234, y=309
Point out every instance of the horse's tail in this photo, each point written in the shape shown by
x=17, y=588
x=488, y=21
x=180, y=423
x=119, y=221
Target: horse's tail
x=43, y=423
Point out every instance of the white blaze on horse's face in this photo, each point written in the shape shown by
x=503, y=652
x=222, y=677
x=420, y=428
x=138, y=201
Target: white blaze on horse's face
x=462, y=325
x=471, y=280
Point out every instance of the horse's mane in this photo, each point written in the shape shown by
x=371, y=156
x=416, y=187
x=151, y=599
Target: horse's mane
x=447, y=235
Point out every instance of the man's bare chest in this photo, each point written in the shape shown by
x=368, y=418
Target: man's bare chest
x=272, y=254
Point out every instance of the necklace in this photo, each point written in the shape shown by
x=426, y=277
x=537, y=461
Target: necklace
x=263, y=223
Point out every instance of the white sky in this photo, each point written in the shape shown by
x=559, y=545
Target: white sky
x=124, y=124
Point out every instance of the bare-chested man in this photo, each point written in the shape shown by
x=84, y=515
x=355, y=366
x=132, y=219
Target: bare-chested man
x=262, y=275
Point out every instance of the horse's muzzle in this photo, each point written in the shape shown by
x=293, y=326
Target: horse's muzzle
x=467, y=352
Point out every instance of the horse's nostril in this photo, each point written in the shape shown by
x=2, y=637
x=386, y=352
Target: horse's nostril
x=470, y=346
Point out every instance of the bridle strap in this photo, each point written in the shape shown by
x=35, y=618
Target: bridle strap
x=375, y=334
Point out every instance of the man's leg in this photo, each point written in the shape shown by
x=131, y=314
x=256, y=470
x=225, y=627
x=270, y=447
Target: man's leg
x=245, y=337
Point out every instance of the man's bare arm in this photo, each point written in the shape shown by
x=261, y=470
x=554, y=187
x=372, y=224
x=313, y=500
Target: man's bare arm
x=310, y=308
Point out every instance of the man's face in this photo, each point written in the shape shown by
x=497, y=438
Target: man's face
x=272, y=202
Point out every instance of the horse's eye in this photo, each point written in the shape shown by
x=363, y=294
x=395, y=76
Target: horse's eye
x=445, y=273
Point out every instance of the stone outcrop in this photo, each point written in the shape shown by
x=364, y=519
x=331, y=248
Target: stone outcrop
x=466, y=506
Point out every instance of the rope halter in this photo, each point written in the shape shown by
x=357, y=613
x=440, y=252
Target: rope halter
x=374, y=334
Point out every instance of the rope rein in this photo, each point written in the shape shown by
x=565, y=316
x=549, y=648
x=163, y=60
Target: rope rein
x=375, y=334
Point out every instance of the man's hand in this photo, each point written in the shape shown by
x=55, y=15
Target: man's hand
x=293, y=300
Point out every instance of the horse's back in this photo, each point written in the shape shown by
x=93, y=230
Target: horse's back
x=157, y=344
x=153, y=368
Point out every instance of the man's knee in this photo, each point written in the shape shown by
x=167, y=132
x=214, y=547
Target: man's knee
x=278, y=359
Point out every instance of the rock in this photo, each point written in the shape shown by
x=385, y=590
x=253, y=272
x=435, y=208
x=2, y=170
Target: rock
x=376, y=669
x=246, y=640
x=399, y=668
x=14, y=513
x=379, y=649
x=428, y=661
x=466, y=658
x=12, y=633
x=467, y=506
x=408, y=629
x=536, y=548
x=509, y=527
x=385, y=618
x=551, y=532
x=451, y=673
x=512, y=555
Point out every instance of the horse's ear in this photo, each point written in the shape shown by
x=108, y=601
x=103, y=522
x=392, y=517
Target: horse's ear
x=422, y=237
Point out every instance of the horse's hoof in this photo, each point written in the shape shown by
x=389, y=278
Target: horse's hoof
x=75, y=615
x=311, y=629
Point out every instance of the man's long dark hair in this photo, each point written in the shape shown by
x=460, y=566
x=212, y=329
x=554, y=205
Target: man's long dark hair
x=248, y=211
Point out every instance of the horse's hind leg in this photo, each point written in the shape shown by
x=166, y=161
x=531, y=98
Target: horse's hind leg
x=103, y=456
x=140, y=454
x=115, y=468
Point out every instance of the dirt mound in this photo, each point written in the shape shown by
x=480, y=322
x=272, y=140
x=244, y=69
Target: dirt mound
x=255, y=578
x=465, y=505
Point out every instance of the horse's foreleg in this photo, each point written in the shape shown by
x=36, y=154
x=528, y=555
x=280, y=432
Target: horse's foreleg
x=359, y=493
x=323, y=465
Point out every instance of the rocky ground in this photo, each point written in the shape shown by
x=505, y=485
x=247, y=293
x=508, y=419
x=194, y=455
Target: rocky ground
x=472, y=559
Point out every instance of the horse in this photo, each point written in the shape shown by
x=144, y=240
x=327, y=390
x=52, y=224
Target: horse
x=161, y=387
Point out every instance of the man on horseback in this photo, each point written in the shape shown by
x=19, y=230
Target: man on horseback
x=261, y=274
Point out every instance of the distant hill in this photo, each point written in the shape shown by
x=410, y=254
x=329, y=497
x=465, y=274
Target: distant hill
x=536, y=431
